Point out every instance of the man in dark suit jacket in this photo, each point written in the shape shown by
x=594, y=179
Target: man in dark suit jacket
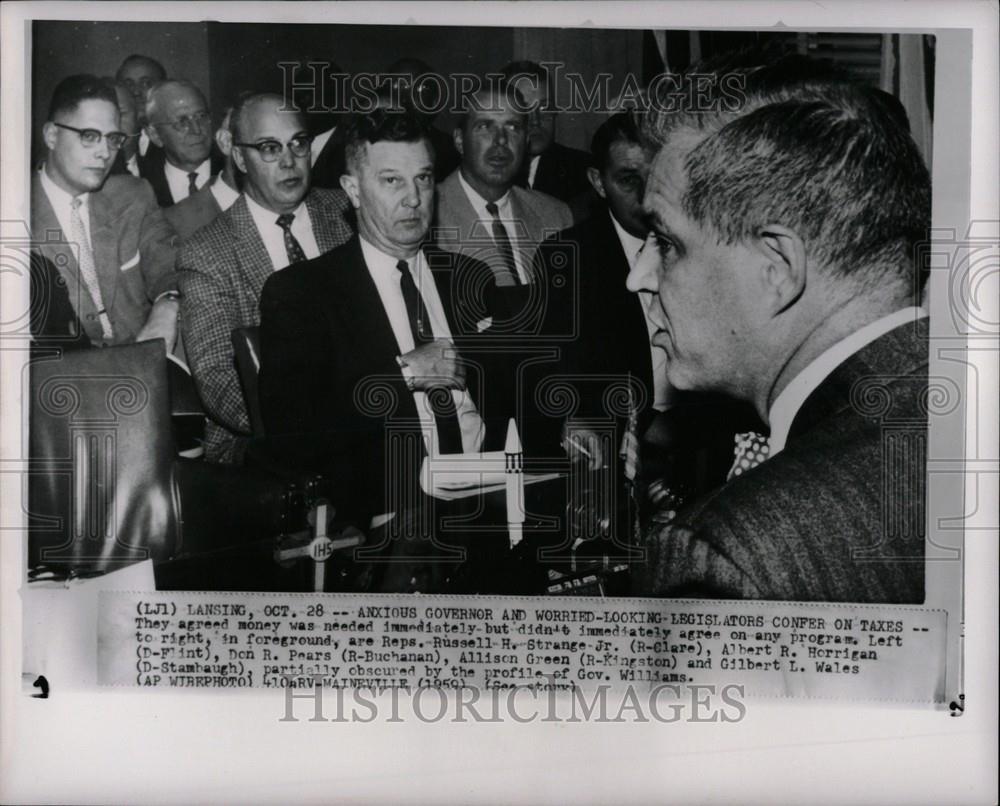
x=359, y=347
x=223, y=267
x=104, y=235
x=775, y=291
x=191, y=214
x=179, y=123
x=551, y=167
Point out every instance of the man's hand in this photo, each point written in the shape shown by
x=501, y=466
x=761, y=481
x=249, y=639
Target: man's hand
x=162, y=322
x=584, y=445
x=435, y=364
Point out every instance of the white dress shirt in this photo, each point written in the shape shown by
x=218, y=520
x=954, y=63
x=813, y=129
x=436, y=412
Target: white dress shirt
x=533, y=170
x=319, y=141
x=386, y=276
x=632, y=246
x=506, y=215
x=226, y=196
x=132, y=165
x=144, y=142
x=62, y=205
x=177, y=178
x=273, y=236
x=787, y=404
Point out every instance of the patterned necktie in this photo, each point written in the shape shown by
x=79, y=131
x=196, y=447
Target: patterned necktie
x=292, y=247
x=502, y=242
x=88, y=270
x=192, y=183
x=751, y=449
x=441, y=401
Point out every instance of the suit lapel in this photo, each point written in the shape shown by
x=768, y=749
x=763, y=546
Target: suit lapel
x=104, y=245
x=250, y=250
x=527, y=230
x=53, y=243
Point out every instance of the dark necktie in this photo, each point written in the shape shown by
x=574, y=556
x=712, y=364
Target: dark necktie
x=441, y=401
x=503, y=243
x=192, y=183
x=292, y=247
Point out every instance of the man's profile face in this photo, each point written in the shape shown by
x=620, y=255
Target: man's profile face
x=705, y=287
x=622, y=183
x=281, y=185
x=74, y=167
x=393, y=193
x=139, y=75
x=492, y=144
x=185, y=149
x=541, y=121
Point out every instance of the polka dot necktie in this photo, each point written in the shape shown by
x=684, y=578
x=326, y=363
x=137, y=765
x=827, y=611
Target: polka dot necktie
x=751, y=449
x=292, y=247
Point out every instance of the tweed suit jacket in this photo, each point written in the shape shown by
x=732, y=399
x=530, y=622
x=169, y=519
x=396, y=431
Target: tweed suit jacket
x=457, y=228
x=191, y=214
x=134, y=252
x=837, y=516
x=222, y=270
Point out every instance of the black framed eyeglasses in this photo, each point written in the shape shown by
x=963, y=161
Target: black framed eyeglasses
x=270, y=150
x=188, y=123
x=91, y=138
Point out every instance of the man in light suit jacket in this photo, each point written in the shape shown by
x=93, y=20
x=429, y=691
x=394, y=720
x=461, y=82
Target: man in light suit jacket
x=481, y=213
x=775, y=291
x=104, y=235
x=223, y=267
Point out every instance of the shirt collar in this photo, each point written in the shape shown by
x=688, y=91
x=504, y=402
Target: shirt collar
x=379, y=261
x=202, y=170
x=58, y=196
x=265, y=218
x=787, y=404
x=630, y=244
x=479, y=203
x=224, y=194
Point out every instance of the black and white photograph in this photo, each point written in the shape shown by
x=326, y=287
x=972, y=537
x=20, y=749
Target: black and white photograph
x=598, y=363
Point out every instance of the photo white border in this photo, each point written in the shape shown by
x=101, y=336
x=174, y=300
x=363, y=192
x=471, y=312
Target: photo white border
x=140, y=746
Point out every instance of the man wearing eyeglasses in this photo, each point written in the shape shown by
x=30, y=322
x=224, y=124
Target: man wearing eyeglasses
x=178, y=121
x=106, y=237
x=278, y=220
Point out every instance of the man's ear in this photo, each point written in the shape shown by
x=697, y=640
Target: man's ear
x=239, y=160
x=784, y=267
x=456, y=137
x=153, y=135
x=224, y=140
x=349, y=183
x=594, y=177
x=49, y=133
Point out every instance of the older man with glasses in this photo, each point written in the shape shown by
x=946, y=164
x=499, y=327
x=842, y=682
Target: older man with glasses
x=178, y=121
x=278, y=220
x=103, y=239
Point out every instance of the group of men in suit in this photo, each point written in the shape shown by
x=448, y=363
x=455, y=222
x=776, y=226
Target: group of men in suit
x=392, y=308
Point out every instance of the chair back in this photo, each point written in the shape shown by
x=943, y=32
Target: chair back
x=100, y=492
x=246, y=348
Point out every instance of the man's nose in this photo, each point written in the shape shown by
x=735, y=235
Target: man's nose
x=103, y=150
x=644, y=275
x=500, y=135
x=286, y=159
x=412, y=196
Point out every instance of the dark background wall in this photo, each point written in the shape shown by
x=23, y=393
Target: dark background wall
x=226, y=58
